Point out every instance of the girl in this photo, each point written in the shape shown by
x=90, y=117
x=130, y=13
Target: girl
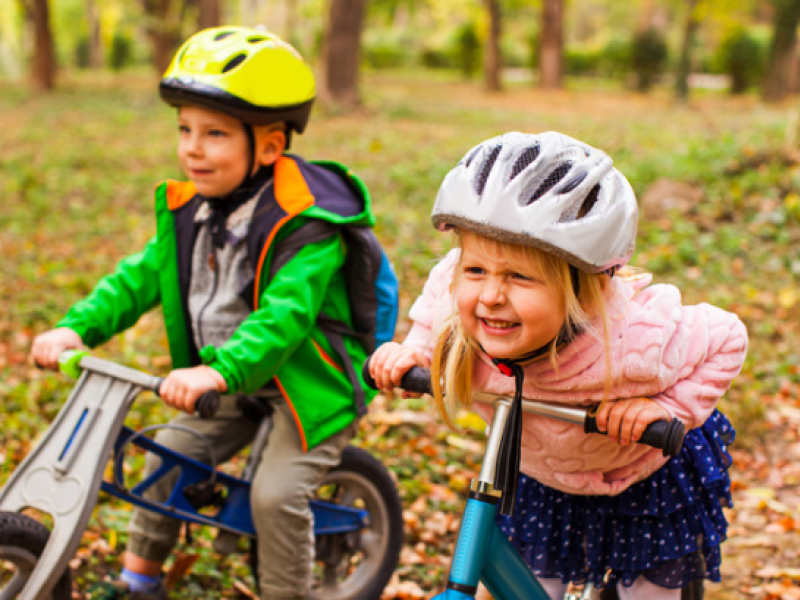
x=533, y=305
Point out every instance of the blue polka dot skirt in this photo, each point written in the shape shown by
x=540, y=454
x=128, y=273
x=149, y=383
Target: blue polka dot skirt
x=668, y=527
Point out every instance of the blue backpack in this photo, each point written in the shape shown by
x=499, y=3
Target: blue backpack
x=372, y=288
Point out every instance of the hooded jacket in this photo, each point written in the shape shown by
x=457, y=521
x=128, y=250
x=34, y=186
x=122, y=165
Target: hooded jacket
x=281, y=339
x=683, y=357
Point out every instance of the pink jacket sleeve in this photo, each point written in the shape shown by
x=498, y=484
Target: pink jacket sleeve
x=712, y=349
x=433, y=306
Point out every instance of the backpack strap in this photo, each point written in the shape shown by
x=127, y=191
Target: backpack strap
x=314, y=231
x=333, y=329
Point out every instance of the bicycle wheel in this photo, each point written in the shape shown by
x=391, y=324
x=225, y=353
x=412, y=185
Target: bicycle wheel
x=22, y=541
x=357, y=565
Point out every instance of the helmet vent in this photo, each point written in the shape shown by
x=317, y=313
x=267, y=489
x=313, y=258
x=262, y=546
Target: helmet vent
x=588, y=202
x=234, y=62
x=526, y=158
x=472, y=156
x=573, y=183
x=254, y=39
x=555, y=176
x=222, y=35
x=486, y=169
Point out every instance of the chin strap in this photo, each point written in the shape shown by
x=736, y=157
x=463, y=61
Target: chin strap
x=507, y=470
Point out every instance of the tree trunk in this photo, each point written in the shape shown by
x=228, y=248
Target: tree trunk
x=551, y=44
x=342, y=52
x=93, y=20
x=290, y=24
x=492, y=55
x=784, y=38
x=43, y=66
x=793, y=78
x=209, y=14
x=163, y=29
x=685, y=62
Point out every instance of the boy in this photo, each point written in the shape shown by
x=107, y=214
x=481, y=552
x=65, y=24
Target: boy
x=247, y=265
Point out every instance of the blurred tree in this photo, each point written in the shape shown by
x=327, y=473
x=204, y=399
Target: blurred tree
x=648, y=57
x=784, y=39
x=43, y=68
x=551, y=44
x=469, y=46
x=163, y=19
x=209, y=14
x=342, y=52
x=492, y=55
x=121, y=53
x=94, y=57
x=685, y=60
x=741, y=58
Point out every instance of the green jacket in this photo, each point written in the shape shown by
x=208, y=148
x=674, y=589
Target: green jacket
x=280, y=339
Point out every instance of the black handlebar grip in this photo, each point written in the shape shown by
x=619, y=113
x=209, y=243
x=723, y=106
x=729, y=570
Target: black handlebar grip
x=417, y=379
x=207, y=404
x=665, y=435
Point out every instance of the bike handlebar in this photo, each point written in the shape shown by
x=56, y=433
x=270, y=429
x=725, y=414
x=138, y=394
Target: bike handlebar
x=73, y=362
x=665, y=435
x=207, y=404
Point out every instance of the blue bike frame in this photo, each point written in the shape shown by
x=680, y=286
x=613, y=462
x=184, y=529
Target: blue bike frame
x=235, y=515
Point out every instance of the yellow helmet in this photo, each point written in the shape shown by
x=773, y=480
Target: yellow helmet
x=252, y=75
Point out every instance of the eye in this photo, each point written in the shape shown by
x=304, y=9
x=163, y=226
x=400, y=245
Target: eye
x=183, y=129
x=473, y=270
x=217, y=133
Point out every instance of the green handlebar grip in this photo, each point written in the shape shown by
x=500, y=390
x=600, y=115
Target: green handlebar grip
x=69, y=362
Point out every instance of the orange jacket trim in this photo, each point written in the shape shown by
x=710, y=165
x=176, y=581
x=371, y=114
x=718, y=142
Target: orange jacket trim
x=302, y=433
x=293, y=196
x=291, y=189
x=326, y=357
x=179, y=193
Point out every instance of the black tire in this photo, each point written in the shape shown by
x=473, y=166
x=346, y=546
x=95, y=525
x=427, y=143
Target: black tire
x=356, y=566
x=22, y=541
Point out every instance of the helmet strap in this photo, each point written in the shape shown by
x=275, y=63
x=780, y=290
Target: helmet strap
x=251, y=155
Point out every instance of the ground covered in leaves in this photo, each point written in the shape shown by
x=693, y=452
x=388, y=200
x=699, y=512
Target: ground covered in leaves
x=718, y=189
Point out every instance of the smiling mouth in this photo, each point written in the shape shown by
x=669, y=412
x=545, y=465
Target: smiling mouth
x=503, y=325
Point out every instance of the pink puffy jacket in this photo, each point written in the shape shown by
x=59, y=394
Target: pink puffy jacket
x=683, y=357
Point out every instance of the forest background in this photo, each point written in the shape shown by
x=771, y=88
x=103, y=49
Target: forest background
x=696, y=100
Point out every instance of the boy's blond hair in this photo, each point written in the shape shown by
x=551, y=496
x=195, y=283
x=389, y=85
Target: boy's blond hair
x=454, y=352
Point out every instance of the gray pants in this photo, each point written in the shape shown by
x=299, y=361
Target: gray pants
x=284, y=482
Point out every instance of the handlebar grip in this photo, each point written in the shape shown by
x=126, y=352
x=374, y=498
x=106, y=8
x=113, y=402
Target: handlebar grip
x=207, y=404
x=665, y=435
x=417, y=379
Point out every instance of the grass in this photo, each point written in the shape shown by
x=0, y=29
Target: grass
x=77, y=169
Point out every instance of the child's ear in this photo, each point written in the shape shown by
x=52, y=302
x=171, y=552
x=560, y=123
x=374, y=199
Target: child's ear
x=271, y=144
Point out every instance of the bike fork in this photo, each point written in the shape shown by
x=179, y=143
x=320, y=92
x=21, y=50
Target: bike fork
x=482, y=552
x=62, y=475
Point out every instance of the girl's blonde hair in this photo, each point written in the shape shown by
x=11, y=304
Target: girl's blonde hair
x=455, y=352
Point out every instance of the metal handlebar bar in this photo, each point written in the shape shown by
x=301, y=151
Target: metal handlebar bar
x=666, y=435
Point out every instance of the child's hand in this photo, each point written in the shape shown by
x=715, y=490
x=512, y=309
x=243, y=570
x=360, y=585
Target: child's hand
x=49, y=345
x=390, y=362
x=182, y=387
x=626, y=419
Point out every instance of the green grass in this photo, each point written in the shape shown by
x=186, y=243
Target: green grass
x=77, y=170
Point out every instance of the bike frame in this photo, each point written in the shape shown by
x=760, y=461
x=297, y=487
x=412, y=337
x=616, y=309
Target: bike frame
x=483, y=552
x=63, y=474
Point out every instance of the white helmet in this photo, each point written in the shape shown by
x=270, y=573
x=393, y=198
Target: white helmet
x=547, y=190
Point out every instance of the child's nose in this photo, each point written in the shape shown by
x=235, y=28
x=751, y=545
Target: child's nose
x=193, y=145
x=493, y=292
